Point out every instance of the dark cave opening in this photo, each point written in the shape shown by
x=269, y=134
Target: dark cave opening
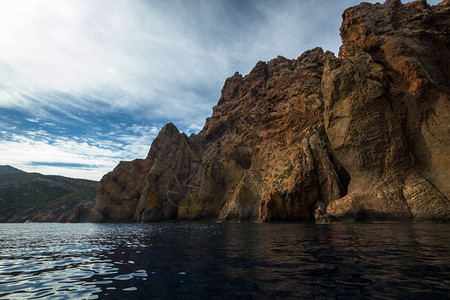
x=344, y=179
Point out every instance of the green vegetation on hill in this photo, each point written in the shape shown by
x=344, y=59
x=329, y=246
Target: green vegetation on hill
x=36, y=197
x=9, y=170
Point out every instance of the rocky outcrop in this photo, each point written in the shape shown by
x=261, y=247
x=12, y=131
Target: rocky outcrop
x=387, y=112
x=362, y=137
x=262, y=155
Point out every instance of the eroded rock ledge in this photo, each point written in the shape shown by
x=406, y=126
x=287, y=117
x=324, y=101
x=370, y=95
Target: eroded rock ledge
x=362, y=137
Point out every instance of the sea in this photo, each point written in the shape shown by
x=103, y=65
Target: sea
x=224, y=261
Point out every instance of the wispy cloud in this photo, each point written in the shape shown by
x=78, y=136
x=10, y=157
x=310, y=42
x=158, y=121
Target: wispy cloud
x=53, y=48
x=82, y=156
x=60, y=164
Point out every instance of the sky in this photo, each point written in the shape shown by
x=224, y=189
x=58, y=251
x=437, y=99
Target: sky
x=86, y=84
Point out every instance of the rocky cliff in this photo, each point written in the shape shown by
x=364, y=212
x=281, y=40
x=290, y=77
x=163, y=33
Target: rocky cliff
x=387, y=111
x=362, y=137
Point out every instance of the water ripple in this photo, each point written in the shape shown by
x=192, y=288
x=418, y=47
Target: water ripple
x=203, y=260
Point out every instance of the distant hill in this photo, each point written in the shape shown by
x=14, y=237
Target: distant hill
x=9, y=170
x=41, y=198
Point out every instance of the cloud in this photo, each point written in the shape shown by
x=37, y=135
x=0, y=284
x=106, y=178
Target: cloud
x=114, y=55
x=60, y=164
x=35, y=120
x=84, y=157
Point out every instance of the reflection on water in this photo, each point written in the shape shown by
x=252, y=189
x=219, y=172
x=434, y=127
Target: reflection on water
x=209, y=260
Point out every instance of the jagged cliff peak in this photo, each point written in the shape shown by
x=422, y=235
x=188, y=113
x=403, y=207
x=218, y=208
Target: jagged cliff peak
x=169, y=129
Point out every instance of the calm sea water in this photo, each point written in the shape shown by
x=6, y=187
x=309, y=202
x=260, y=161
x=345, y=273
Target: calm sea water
x=216, y=261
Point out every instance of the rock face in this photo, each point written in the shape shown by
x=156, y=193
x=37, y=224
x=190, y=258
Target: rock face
x=387, y=112
x=362, y=137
